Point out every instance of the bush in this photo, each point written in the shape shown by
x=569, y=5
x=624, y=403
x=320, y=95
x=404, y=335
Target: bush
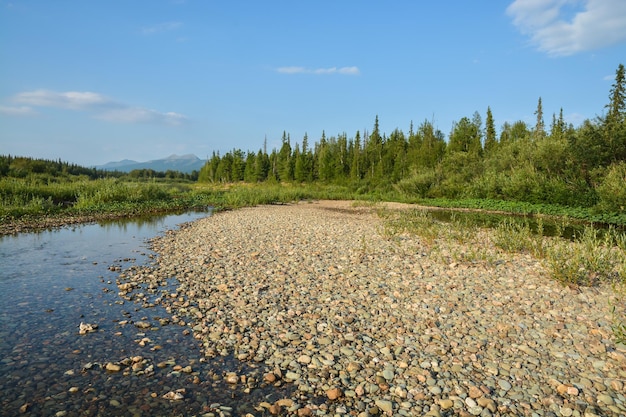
x=612, y=189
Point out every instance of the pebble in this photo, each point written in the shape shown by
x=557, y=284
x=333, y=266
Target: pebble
x=318, y=294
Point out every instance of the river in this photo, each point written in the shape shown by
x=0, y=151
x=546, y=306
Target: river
x=50, y=283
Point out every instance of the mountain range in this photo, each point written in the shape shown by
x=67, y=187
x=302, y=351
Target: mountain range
x=180, y=163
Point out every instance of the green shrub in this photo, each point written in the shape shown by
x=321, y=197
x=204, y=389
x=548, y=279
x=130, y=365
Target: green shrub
x=612, y=189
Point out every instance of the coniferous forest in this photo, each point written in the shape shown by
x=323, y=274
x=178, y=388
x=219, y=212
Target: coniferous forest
x=550, y=162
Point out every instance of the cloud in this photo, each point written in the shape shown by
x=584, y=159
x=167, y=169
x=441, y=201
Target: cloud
x=161, y=27
x=319, y=71
x=17, y=111
x=141, y=115
x=102, y=107
x=597, y=24
x=74, y=100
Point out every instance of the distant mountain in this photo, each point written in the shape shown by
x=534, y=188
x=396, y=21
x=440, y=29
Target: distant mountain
x=180, y=163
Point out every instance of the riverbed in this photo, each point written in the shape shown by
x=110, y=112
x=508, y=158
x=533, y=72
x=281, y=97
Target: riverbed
x=53, y=281
x=302, y=309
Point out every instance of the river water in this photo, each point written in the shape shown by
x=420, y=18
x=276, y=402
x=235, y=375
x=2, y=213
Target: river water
x=50, y=283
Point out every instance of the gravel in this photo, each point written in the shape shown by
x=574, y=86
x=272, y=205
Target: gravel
x=362, y=323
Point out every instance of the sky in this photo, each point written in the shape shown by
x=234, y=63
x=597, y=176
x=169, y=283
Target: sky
x=90, y=82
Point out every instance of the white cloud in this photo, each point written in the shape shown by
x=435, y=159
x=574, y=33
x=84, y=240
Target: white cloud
x=141, y=115
x=17, y=111
x=102, y=107
x=319, y=71
x=161, y=27
x=594, y=25
x=74, y=100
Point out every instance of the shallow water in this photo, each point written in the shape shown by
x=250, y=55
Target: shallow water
x=52, y=281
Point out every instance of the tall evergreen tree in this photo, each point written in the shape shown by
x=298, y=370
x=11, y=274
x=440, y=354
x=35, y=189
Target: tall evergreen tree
x=617, y=105
x=540, y=131
x=615, y=121
x=355, y=165
x=490, y=132
x=285, y=169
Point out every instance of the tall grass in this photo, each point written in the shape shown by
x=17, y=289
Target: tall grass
x=36, y=196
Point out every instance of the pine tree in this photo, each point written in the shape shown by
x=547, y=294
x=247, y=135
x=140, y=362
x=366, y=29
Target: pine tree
x=285, y=170
x=615, y=122
x=617, y=106
x=490, y=133
x=540, y=131
x=355, y=165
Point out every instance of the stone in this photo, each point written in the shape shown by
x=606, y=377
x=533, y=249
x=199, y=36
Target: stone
x=504, y=384
x=475, y=392
x=605, y=399
x=112, y=367
x=304, y=412
x=232, y=378
x=334, y=393
x=293, y=376
x=305, y=359
x=173, y=396
x=446, y=404
x=388, y=374
x=384, y=405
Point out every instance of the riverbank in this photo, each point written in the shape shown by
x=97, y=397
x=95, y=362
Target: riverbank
x=29, y=224
x=362, y=322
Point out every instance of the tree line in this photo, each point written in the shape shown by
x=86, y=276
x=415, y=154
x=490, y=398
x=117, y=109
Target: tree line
x=23, y=167
x=555, y=163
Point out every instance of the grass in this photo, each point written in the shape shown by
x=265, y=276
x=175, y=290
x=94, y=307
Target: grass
x=591, y=258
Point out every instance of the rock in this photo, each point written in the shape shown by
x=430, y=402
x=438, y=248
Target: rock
x=505, y=385
x=384, y=405
x=292, y=376
x=84, y=328
x=304, y=412
x=334, y=393
x=174, y=396
x=475, y=392
x=605, y=399
x=305, y=359
x=487, y=403
x=112, y=367
x=285, y=402
x=231, y=378
x=446, y=404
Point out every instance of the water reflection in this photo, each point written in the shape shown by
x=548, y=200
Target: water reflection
x=52, y=281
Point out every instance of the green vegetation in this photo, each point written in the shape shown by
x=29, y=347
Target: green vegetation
x=560, y=170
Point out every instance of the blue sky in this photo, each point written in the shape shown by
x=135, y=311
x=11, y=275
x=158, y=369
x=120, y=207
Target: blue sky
x=98, y=81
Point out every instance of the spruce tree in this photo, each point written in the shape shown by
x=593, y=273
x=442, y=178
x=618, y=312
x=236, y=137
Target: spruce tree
x=540, y=131
x=617, y=106
x=490, y=132
x=615, y=122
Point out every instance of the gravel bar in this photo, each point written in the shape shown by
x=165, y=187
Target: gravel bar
x=362, y=323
